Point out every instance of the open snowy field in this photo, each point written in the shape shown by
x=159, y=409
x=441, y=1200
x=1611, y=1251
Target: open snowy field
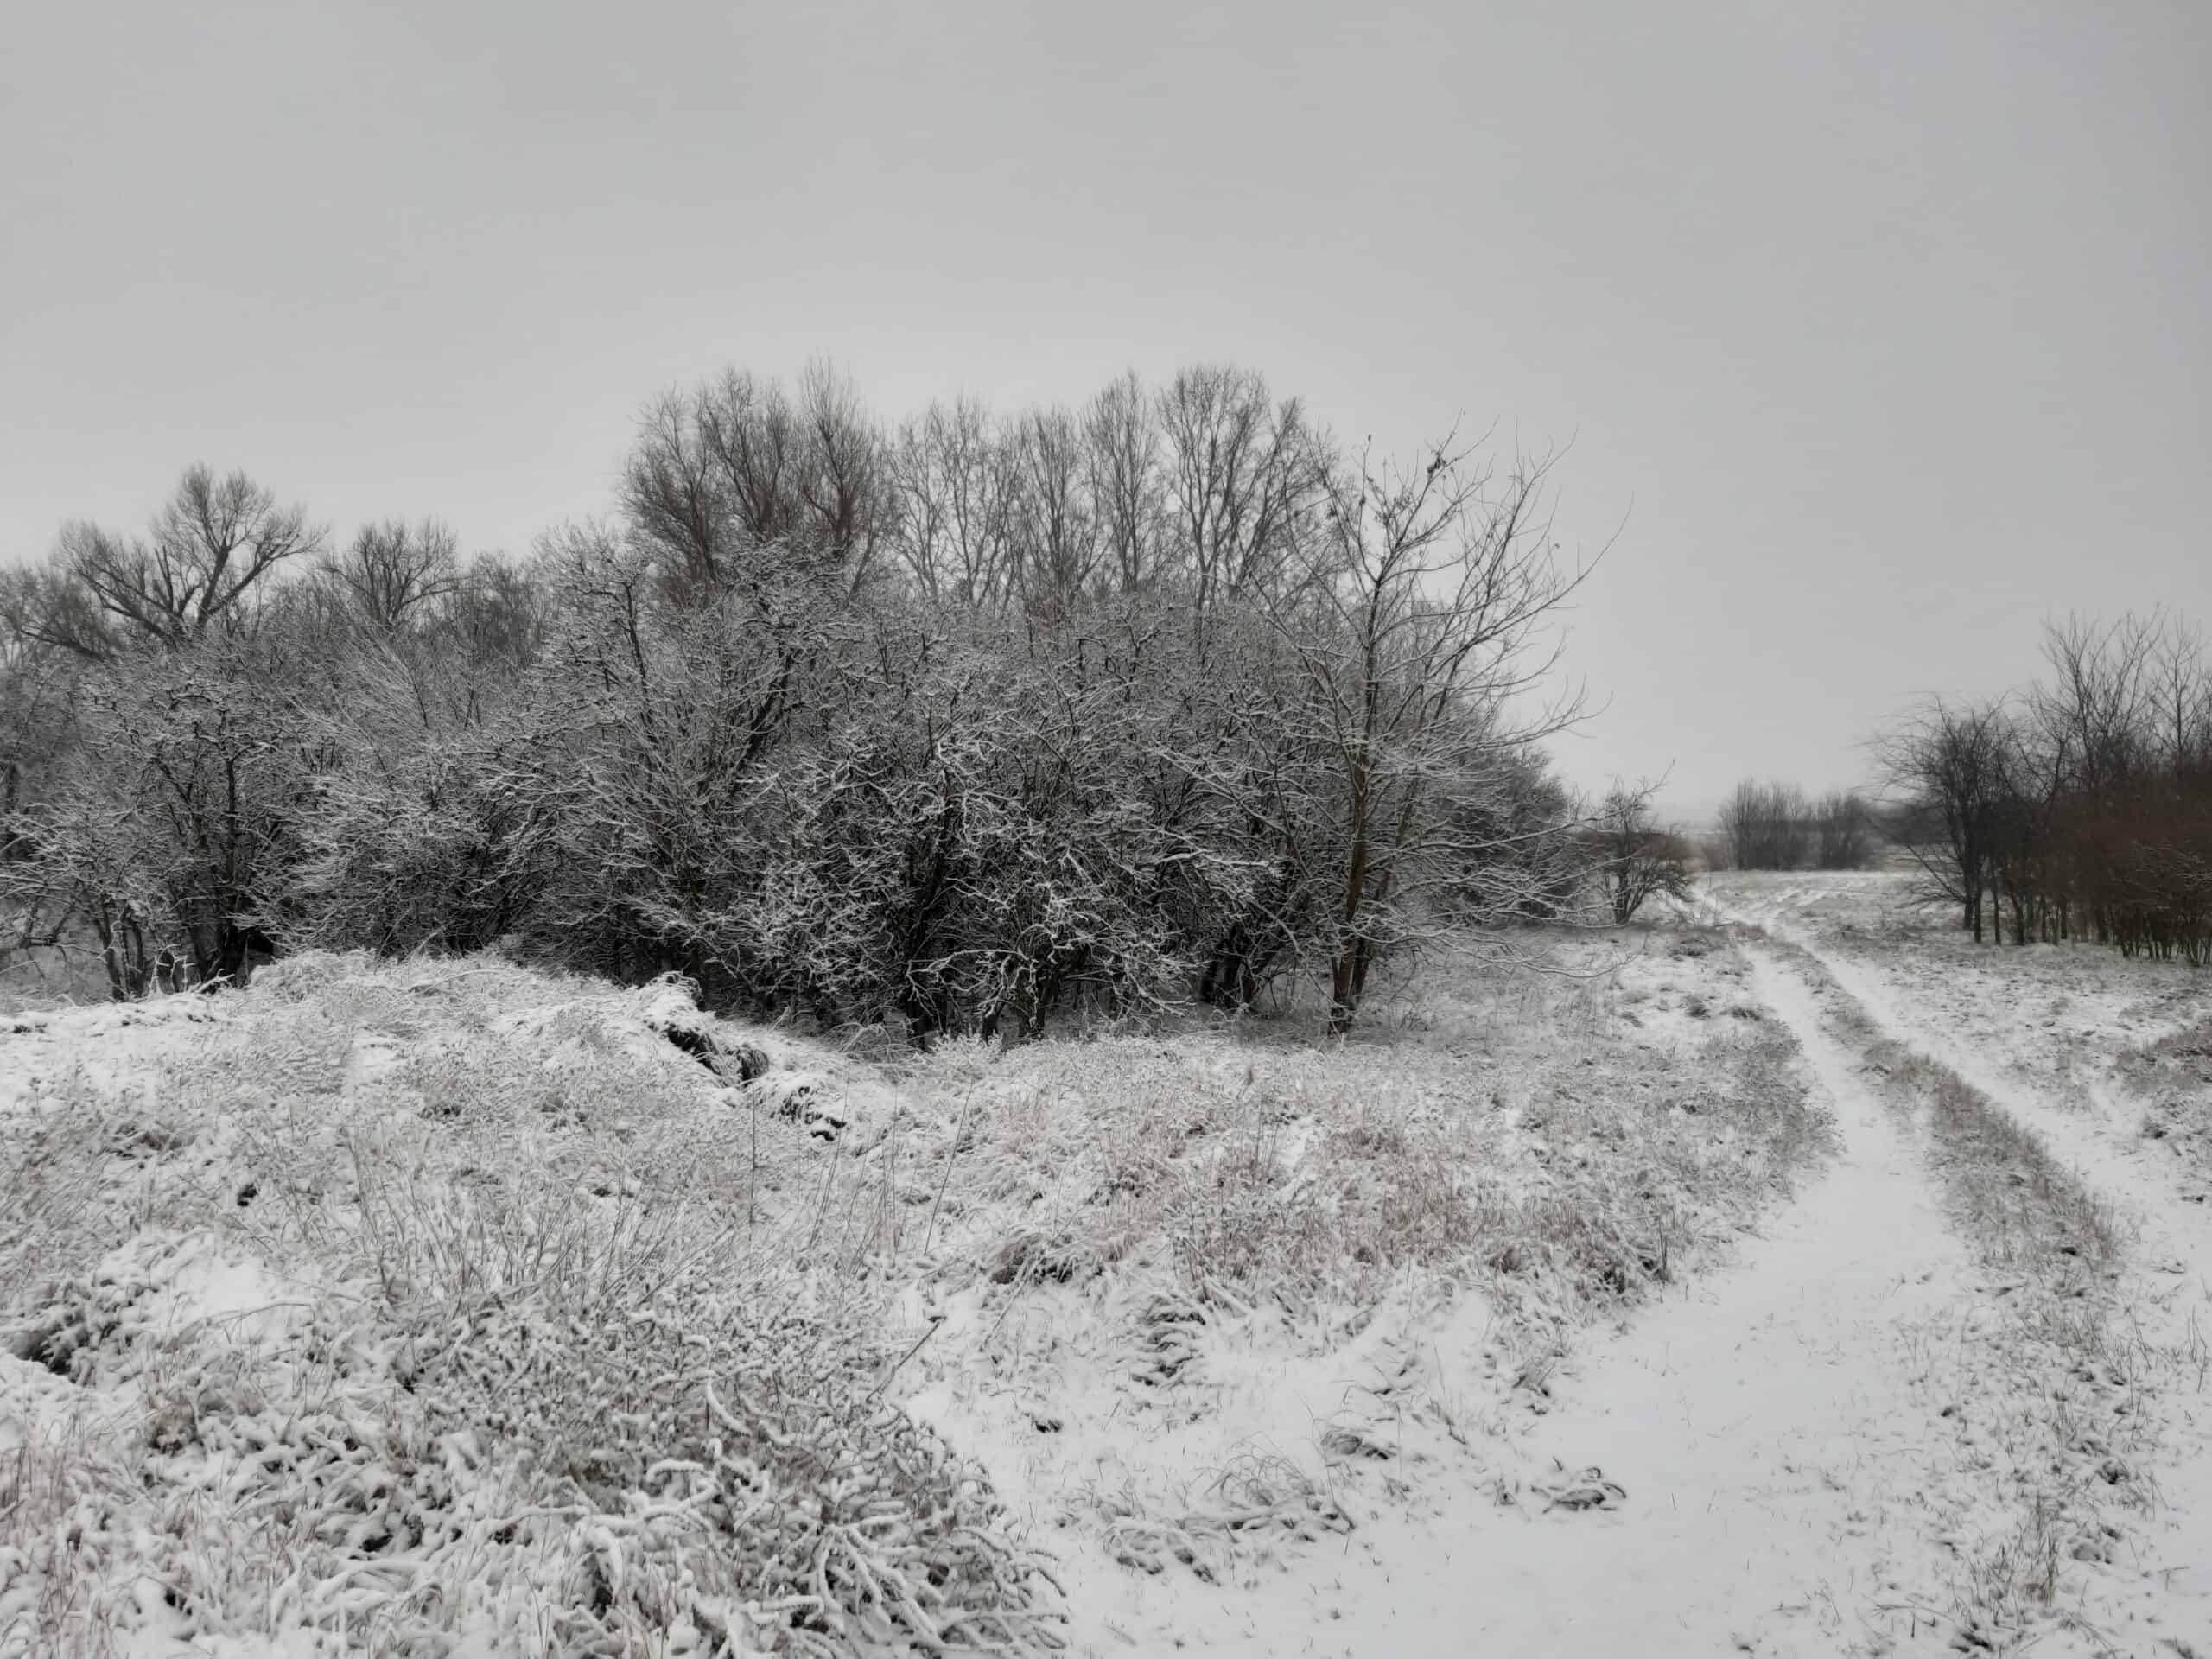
x=1784, y=1279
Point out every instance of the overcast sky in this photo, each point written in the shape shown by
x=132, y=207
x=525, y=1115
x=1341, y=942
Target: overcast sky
x=1880, y=332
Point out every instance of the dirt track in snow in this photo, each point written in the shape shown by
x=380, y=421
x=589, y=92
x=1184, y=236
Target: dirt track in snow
x=1797, y=1437
x=2158, y=1600
x=1764, y=1428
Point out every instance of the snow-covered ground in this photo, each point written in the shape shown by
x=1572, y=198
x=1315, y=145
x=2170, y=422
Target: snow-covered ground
x=2061, y=1044
x=1803, y=1286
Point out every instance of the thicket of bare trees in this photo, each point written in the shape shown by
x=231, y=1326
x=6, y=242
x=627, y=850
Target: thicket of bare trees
x=951, y=725
x=1774, y=826
x=2079, y=807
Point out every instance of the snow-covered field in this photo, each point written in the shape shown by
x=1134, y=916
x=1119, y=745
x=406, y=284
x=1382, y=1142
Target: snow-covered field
x=1784, y=1279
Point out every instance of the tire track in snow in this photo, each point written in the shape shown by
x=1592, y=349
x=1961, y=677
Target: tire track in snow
x=2167, y=1287
x=1765, y=1425
x=1776, y=1418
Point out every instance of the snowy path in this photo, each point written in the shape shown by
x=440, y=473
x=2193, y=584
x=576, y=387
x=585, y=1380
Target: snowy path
x=1767, y=1430
x=1765, y=1427
x=2170, y=1287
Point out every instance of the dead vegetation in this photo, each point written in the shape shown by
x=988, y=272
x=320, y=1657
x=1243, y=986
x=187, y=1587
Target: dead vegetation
x=2173, y=1078
x=1537, y=1146
x=447, y=1330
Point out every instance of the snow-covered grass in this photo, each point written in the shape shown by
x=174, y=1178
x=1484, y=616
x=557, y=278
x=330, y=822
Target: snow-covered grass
x=2171, y=1076
x=421, y=1311
x=444, y=1307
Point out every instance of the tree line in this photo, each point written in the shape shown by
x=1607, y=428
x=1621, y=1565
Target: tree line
x=951, y=724
x=2079, y=807
x=1777, y=826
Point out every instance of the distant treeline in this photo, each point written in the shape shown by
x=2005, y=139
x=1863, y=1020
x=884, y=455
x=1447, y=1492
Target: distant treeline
x=1771, y=826
x=949, y=724
x=2079, y=807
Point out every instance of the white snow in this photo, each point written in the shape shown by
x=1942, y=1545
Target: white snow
x=2091, y=1131
x=1765, y=1426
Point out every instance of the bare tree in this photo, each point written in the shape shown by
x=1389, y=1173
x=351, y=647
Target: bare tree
x=1246, y=477
x=973, y=558
x=2083, y=808
x=755, y=437
x=2124, y=833
x=47, y=606
x=1421, y=626
x=393, y=570
x=739, y=464
x=499, y=612
x=1290, y=729
x=1955, y=760
x=1122, y=460
x=1054, y=525
x=2180, y=691
x=213, y=543
x=2098, y=707
x=174, y=822
x=1767, y=826
x=1636, y=859
x=41, y=686
x=840, y=477
x=1843, y=832
x=676, y=492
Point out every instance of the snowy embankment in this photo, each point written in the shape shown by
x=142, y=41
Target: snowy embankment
x=446, y=1307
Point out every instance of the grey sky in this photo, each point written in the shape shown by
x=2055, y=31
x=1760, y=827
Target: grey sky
x=1885, y=329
